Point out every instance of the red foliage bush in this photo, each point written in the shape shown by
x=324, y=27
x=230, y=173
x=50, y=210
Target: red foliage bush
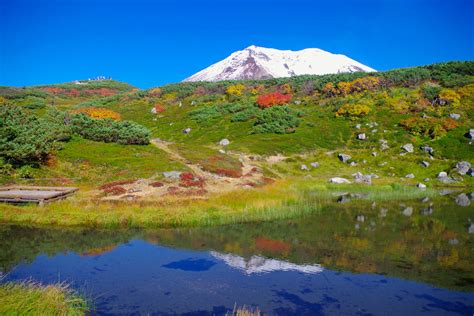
x=156, y=184
x=229, y=173
x=272, y=99
x=159, y=108
x=115, y=183
x=116, y=190
x=187, y=179
x=173, y=190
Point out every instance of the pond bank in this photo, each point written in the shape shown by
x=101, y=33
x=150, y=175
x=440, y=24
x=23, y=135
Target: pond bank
x=282, y=200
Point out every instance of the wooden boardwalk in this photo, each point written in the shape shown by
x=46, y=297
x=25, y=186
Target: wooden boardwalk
x=34, y=194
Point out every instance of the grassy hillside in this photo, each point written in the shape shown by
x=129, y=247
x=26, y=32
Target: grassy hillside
x=303, y=119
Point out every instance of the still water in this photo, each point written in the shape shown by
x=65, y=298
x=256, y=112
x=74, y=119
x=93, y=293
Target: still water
x=351, y=258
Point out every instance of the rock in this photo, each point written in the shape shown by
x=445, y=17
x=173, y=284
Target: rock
x=172, y=175
x=470, y=134
x=383, y=145
x=222, y=151
x=470, y=230
x=427, y=149
x=338, y=180
x=374, y=131
x=360, y=178
x=408, y=211
x=455, y=116
x=427, y=179
x=224, y=142
x=344, y=157
x=353, y=164
x=470, y=172
x=425, y=163
x=187, y=130
x=383, y=212
x=297, y=102
x=463, y=167
x=374, y=154
x=383, y=164
x=314, y=164
x=408, y=148
x=463, y=200
x=360, y=218
x=361, y=136
x=410, y=176
x=421, y=186
x=357, y=126
x=442, y=174
x=343, y=199
x=304, y=168
x=153, y=111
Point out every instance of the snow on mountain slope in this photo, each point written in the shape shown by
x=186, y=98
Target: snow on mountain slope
x=262, y=63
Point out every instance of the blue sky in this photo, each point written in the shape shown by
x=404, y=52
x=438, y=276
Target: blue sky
x=150, y=43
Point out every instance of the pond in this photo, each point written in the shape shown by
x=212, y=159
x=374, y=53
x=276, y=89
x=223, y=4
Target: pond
x=353, y=257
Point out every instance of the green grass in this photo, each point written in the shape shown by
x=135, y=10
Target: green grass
x=93, y=163
x=28, y=298
x=284, y=199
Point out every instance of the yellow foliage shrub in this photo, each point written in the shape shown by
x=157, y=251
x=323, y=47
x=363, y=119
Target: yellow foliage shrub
x=353, y=110
x=235, y=90
x=448, y=96
x=98, y=113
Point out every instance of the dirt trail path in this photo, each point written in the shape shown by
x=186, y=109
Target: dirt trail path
x=164, y=145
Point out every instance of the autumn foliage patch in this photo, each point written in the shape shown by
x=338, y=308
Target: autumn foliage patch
x=98, y=113
x=271, y=245
x=272, y=99
x=187, y=179
x=430, y=126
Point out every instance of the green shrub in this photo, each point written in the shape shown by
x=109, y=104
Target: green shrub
x=277, y=119
x=110, y=131
x=245, y=115
x=211, y=112
x=431, y=91
x=24, y=138
x=25, y=172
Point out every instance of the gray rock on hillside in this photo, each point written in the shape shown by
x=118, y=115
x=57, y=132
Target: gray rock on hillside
x=425, y=163
x=421, y=186
x=463, y=167
x=304, y=168
x=187, y=130
x=344, y=157
x=314, y=164
x=360, y=178
x=172, y=174
x=470, y=134
x=361, y=136
x=338, y=180
x=408, y=148
x=455, y=116
x=224, y=142
x=427, y=149
x=383, y=145
x=410, y=176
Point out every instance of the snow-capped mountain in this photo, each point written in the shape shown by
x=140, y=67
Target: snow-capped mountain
x=262, y=63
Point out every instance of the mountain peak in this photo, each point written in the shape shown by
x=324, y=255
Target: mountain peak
x=255, y=62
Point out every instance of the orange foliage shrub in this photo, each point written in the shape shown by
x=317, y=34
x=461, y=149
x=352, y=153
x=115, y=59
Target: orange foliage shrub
x=229, y=173
x=117, y=190
x=156, y=184
x=272, y=99
x=430, y=126
x=98, y=113
x=158, y=108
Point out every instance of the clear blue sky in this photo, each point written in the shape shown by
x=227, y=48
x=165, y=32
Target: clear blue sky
x=150, y=43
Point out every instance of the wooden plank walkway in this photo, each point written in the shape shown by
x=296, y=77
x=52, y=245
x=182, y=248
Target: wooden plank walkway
x=34, y=194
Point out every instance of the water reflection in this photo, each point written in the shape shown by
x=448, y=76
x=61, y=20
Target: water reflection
x=259, y=264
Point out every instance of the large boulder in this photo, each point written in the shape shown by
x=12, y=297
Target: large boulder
x=172, y=175
x=408, y=148
x=463, y=200
x=344, y=157
x=463, y=167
